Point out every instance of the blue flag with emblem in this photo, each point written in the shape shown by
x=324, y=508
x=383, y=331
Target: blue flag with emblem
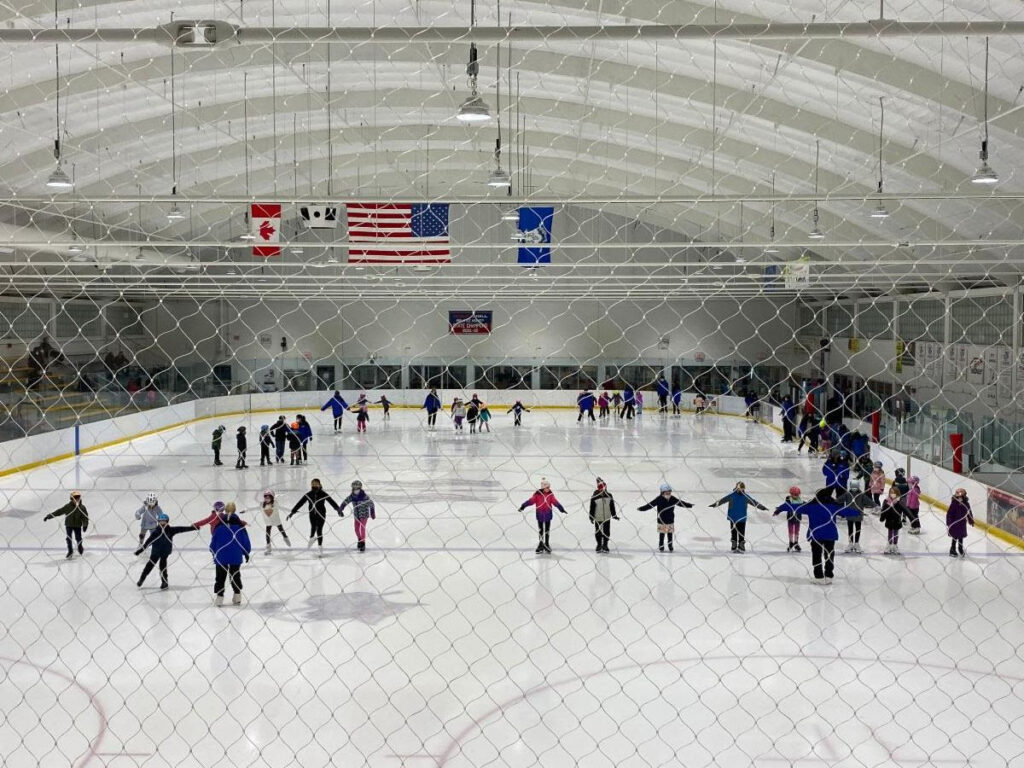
x=535, y=234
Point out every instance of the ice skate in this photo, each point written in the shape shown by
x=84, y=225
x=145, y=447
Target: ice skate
x=540, y=548
x=81, y=549
x=69, y=555
x=287, y=541
x=952, y=554
x=850, y=549
x=218, y=600
x=671, y=548
x=827, y=580
x=796, y=547
x=267, y=550
x=165, y=586
x=320, y=551
x=311, y=540
x=547, y=547
x=237, y=599
x=362, y=546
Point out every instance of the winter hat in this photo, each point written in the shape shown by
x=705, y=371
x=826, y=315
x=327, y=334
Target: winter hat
x=914, y=479
x=221, y=427
x=901, y=471
x=264, y=427
x=357, y=485
x=295, y=425
x=150, y=500
x=162, y=518
x=794, y=491
x=76, y=494
x=960, y=492
x=268, y=492
x=218, y=507
x=665, y=488
x=878, y=465
x=241, y=429
x=545, y=483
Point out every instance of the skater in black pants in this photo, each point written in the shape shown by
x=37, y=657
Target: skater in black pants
x=628, y=403
x=666, y=505
x=338, y=407
x=230, y=545
x=822, y=532
x=161, y=544
x=266, y=441
x=76, y=521
x=317, y=499
x=432, y=404
x=518, y=409
x=280, y=433
x=218, y=437
x=242, y=444
x=661, y=385
x=788, y=419
x=585, y=403
x=810, y=431
x=602, y=512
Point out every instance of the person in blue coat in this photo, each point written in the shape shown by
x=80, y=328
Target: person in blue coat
x=628, y=402
x=585, y=402
x=305, y=433
x=677, y=399
x=738, y=502
x=661, y=385
x=230, y=546
x=432, y=404
x=836, y=472
x=338, y=407
x=161, y=544
x=822, y=532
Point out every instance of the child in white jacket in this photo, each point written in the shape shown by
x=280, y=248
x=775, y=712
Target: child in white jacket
x=272, y=518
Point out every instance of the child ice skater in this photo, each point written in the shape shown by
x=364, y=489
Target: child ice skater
x=317, y=499
x=242, y=444
x=458, y=413
x=294, y=444
x=485, y=417
x=876, y=485
x=791, y=507
x=266, y=443
x=362, y=409
x=385, y=404
x=958, y=518
x=666, y=505
x=272, y=518
x=700, y=404
x=518, y=409
x=912, y=502
x=891, y=517
x=602, y=512
x=230, y=546
x=472, y=415
x=160, y=544
x=363, y=509
x=738, y=502
x=147, y=516
x=216, y=442
x=76, y=521
x=543, y=501
x=602, y=405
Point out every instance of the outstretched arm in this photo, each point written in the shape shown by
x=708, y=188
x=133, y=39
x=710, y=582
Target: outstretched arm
x=681, y=503
x=298, y=506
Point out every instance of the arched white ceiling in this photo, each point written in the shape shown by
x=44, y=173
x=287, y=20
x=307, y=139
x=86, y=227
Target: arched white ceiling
x=694, y=118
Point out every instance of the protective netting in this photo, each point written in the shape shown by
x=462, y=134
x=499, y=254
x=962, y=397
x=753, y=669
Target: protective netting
x=762, y=220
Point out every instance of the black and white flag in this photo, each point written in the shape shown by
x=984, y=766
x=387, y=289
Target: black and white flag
x=319, y=216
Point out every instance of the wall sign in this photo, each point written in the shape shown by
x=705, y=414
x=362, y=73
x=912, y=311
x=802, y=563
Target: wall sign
x=467, y=322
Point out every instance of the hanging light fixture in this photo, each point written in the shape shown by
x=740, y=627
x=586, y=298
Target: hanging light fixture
x=985, y=174
x=816, y=233
x=474, y=109
x=175, y=214
x=772, y=248
x=58, y=180
x=880, y=211
x=499, y=176
x=512, y=214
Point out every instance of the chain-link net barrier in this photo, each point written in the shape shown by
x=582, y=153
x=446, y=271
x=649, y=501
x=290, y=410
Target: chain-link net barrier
x=640, y=254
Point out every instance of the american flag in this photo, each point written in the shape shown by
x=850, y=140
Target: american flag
x=398, y=233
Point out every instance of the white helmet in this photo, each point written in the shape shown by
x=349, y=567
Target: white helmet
x=150, y=500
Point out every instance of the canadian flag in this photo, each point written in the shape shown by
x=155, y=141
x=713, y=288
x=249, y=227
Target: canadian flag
x=265, y=219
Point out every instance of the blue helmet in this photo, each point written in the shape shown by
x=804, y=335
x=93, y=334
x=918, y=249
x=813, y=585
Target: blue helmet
x=264, y=427
x=162, y=518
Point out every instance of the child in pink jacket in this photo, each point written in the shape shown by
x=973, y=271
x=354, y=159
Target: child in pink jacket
x=913, y=503
x=543, y=501
x=876, y=484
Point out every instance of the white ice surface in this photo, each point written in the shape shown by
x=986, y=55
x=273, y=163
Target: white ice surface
x=450, y=643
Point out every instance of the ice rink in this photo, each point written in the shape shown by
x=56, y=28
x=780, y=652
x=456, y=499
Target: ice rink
x=450, y=643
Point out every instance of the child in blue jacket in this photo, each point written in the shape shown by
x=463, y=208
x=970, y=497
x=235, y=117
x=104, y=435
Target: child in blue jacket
x=230, y=546
x=791, y=506
x=738, y=502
